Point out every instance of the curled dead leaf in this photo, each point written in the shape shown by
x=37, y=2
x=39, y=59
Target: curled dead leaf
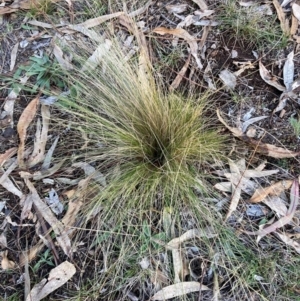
x=6, y=264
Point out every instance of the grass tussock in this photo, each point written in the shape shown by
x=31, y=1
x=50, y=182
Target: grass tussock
x=146, y=142
x=256, y=25
x=153, y=147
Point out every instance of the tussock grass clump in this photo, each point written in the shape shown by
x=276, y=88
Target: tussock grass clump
x=252, y=25
x=146, y=142
x=153, y=148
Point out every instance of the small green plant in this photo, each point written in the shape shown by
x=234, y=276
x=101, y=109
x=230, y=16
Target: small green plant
x=251, y=25
x=45, y=258
x=295, y=123
x=44, y=71
x=148, y=240
x=43, y=7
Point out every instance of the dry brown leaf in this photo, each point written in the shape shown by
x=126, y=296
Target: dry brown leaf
x=275, y=189
x=41, y=174
x=93, y=35
x=266, y=76
x=93, y=61
x=24, y=121
x=180, y=75
x=264, y=148
x=179, y=289
x=20, y=4
x=201, y=4
x=58, y=228
x=145, y=66
x=294, y=26
x=13, y=56
x=183, y=34
x=11, y=98
x=284, y=22
x=177, y=8
x=235, y=131
x=26, y=207
x=7, y=183
x=41, y=137
x=177, y=260
x=66, y=65
x=204, y=36
x=3, y=239
x=235, y=198
x=283, y=220
x=57, y=277
x=289, y=241
x=276, y=204
x=270, y=150
x=288, y=71
x=7, y=155
x=190, y=234
x=296, y=10
x=71, y=214
x=28, y=256
x=6, y=264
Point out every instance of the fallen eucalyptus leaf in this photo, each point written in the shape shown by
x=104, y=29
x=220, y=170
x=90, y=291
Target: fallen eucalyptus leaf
x=288, y=71
x=179, y=289
x=57, y=277
x=266, y=76
x=24, y=121
x=296, y=10
x=274, y=189
x=6, y=264
x=285, y=219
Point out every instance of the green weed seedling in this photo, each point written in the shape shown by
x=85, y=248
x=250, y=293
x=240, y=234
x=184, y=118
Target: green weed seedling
x=45, y=258
x=148, y=240
x=295, y=123
x=45, y=71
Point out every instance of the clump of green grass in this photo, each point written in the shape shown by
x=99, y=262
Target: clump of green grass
x=150, y=141
x=153, y=147
x=250, y=26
